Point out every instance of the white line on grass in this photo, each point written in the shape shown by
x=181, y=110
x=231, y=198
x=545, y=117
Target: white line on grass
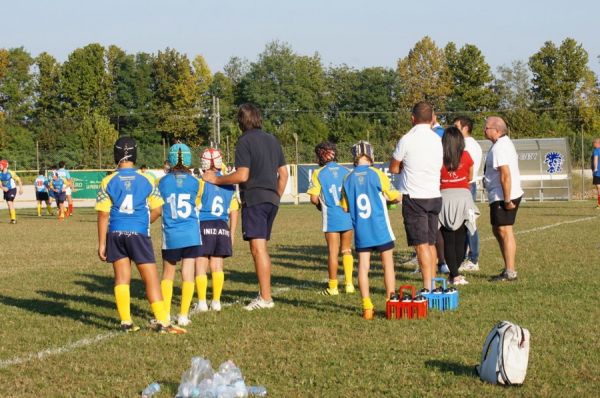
x=537, y=229
x=89, y=341
x=54, y=351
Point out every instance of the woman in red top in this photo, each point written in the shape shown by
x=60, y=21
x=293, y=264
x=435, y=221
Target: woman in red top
x=458, y=210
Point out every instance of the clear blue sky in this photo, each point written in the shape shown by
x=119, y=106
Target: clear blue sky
x=357, y=33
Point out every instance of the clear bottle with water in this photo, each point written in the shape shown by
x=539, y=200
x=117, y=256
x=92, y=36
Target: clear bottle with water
x=257, y=391
x=150, y=390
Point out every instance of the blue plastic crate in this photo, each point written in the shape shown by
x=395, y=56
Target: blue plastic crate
x=445, y=300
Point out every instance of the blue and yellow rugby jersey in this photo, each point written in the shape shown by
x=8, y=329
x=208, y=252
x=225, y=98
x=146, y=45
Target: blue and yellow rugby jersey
x=41, y=184
x=64, y=174
x=128, y=195
x=181, y=193
x=326, y=183
x=218, y=201
x=9, y=179
x=57, y=184
x=366, y=190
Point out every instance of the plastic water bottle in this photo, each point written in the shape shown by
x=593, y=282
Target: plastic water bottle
x=152, y=389
x=257, y=391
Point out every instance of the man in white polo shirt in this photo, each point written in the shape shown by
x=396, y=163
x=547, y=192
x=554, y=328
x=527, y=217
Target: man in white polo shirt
x=502, y=180
x=465, y=125
x=418, y=159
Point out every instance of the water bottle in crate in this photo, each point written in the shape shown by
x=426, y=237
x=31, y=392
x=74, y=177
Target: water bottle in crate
x=441, y=297
x=406, y=305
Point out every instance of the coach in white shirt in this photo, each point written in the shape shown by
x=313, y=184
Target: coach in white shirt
x=502, y=180
x=418, y=159
x=465, y=125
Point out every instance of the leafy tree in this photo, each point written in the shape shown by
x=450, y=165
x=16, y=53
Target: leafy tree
x=515, y=99
x=47, y=86
x=175, y=96
x=85, y=83
x=16, y=83
x=471, y=79
x=423, y=75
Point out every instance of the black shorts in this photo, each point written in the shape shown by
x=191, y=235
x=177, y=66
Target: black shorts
x=175, y=255
x=60, y=197
x=216, y=239
x=379, y=248
x=126, y=244
x=421, y=219
x=9, y=195
x=499, y=216
x=257, y=220
x=596, y=180
x=41, y=196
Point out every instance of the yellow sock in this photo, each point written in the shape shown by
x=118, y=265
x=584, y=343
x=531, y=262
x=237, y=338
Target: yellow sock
x=333, y=284
x=367, y=303
x=187, y=294
x=218, y=279
x=161, y=315
x=202, y=286
x=123, y=300
x=166, y=287
x=49, y=209
x=348, y=262
x=39, y=209
x=13, y=214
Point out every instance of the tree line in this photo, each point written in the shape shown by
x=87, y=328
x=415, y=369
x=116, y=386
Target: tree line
x=74, y=110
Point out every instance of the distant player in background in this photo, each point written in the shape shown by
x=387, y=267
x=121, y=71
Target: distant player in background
x=126, y=203
x=366, y=192
x=9, y=180
x=66, y=176
x=325, y=192
x=59, y=187
x=220, y=205
x=181, y=192
x=596, y=168
x=42, y=187
x=49, y=175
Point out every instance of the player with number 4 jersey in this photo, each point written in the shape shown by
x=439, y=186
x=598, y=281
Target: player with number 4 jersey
x=365, y=194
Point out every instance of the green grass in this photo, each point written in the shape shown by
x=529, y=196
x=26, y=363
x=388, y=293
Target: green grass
x=55, y=292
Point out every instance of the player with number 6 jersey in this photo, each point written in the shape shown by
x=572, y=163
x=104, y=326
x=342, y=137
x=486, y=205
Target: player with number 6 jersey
x=219, y=202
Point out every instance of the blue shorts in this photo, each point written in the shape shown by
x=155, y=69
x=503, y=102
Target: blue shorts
x=9, y=195
x=216, y=239
x=379, y=248
x=175, y=255
x=136, y=247
x=257, y=220
x=41, y=196
x=60, y=197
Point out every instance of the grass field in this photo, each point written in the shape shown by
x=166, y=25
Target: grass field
x=58, y=320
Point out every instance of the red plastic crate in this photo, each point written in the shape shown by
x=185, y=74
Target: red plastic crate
x=406, y=309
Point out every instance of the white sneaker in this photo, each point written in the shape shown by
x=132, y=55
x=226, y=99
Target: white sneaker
x=468, y=265
x=215, y=306
x=200, y=306
x=183, y=320
x=258, y=303
x=459, y=280
x=443, y=269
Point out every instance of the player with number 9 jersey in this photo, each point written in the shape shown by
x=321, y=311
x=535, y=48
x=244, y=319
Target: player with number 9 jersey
x=365, y=193
x=128, y=196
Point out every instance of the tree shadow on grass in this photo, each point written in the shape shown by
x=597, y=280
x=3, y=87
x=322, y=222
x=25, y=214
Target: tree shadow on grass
x=106, y=284
x=456, y=368
x=59, y=309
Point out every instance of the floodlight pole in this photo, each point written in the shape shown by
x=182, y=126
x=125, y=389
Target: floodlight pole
x=582, y=175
